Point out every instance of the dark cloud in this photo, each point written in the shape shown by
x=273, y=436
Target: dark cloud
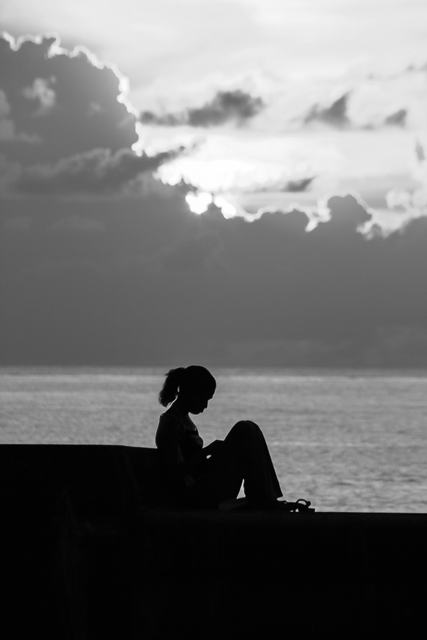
x=347, y=211
x=296, y=185
x=225, y=106
x=184, y=187
x=55, y=104
x=420, y=152
x=397, y=119
x=145, y=281
x=334, y=115
x=97, y=171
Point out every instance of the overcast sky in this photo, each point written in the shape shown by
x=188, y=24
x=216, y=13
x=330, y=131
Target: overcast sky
x=214, y=181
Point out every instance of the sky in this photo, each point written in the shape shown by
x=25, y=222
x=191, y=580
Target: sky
x=227, y=182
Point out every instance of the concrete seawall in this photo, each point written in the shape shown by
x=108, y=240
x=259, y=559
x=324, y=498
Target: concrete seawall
x=248, y=575
x=88, y=560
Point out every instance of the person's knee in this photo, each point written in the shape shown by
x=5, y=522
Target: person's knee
x=244, y=437
x=245, y=426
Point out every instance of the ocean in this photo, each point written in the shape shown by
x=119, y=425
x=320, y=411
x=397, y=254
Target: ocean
x=346, y=440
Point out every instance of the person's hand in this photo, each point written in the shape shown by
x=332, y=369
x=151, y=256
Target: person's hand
x=214, y=447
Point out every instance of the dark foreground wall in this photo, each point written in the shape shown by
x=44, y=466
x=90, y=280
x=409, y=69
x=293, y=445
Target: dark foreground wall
x=84, y=559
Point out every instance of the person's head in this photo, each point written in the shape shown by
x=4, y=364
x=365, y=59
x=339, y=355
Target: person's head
x=193, y=386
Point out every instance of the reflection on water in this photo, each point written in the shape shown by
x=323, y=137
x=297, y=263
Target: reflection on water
x=348, y=441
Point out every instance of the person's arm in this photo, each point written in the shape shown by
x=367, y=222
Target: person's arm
x=213, y=448
x=191, y=465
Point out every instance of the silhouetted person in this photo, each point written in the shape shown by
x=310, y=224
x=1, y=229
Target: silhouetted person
x=197, y=476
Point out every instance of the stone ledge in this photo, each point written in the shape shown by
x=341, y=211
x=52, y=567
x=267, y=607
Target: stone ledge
x=255, y=573
x=89, y=560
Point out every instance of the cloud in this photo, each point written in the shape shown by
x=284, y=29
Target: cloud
x=334, y=115
x=7, y=126
x=8, y=133
x=297, y=185
x=338, y=114
x=161, y=285
x=348, y=210
x=72, y=108
x=41, y=92
x=95, y=172
x=420, y=152
x=70, y=102
x=225, y=106
x=412, y=203
x=398, y=118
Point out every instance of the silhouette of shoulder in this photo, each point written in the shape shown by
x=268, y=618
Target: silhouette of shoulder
x=170, y=428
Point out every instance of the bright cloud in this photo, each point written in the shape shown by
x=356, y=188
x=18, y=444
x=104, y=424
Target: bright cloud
x=268, y=146
x=339, y=132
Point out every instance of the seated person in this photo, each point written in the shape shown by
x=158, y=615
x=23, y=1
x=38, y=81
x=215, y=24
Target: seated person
x=207, y=477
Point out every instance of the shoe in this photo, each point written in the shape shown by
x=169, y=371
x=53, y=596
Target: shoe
x=301, y=505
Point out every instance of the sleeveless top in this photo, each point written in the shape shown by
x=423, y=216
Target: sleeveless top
x=177, y=443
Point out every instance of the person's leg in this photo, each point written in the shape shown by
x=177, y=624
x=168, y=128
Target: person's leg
x=221, y=481
x=243, y=457
x=246, y=445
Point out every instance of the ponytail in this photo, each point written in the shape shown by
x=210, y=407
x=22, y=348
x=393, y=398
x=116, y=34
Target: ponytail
x=172, y=382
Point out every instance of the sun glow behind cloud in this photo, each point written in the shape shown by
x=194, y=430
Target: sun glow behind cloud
x=248, y=174
x=231, y=163
x=199, y=203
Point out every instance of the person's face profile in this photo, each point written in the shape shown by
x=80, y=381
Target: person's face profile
x=199, y=401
